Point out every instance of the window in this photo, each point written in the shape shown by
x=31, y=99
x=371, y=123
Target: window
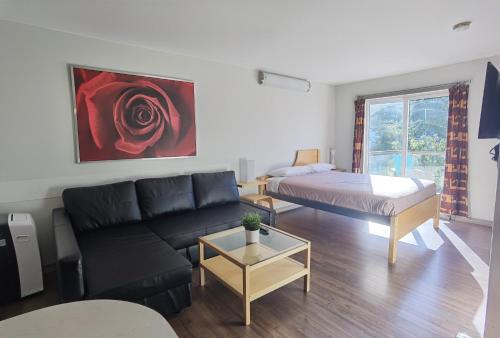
x=406, y=136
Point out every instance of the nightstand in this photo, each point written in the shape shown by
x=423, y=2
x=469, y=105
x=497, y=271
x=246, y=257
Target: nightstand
x=256, y=198
x=259, y=184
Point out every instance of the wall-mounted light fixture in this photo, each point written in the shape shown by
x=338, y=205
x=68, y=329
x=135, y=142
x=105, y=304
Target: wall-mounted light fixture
x=462, y=26
x=284, y=81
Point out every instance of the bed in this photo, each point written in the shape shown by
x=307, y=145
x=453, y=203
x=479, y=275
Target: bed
x=402, y=203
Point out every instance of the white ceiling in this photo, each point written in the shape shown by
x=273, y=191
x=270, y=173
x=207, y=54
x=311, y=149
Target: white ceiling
x=332, y=41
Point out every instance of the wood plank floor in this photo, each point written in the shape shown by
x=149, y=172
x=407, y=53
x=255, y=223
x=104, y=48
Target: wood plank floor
x=435, y=289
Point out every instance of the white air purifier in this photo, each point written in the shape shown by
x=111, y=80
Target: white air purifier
x=21, y=242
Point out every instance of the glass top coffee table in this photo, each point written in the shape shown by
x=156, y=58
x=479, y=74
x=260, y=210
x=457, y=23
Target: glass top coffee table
x=253, y=270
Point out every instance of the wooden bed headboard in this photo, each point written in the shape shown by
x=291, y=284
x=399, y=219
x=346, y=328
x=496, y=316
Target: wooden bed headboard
x=302, y=157
x=306, y=156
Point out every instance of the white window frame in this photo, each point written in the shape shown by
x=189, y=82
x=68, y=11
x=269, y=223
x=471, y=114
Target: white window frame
x=406, y=110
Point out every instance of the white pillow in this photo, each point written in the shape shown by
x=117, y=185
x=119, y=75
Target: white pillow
x=321, y=167
x=291, y=171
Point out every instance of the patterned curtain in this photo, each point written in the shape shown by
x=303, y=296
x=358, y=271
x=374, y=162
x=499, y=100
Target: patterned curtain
x=359, y=129
x=454, y=200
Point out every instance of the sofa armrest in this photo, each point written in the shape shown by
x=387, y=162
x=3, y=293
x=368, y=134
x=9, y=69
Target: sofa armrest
x=268, y=215
x=69, y=258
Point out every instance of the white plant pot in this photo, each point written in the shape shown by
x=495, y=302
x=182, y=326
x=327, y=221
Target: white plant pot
x=252, y=236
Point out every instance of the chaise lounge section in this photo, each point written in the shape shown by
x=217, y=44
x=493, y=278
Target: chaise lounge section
x=137, y=241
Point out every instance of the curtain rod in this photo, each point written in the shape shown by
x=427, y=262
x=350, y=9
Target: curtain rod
x=412, y=91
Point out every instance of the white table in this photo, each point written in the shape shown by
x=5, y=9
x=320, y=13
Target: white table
x=89, y=319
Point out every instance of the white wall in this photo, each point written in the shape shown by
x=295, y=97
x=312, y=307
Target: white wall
x=236, y=118
x=482, y=171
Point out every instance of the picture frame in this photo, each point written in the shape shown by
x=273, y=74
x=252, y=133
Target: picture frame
x=120, y=115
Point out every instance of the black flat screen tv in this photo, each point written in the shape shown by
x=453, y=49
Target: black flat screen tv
x=489, y=126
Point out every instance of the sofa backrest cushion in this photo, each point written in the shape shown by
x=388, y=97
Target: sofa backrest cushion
x=159, y=196
x=211, y=189
x=91, y=208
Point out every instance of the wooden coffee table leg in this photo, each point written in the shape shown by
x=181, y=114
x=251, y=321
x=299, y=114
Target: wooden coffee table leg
x=246, y=294
x=202, y=259
x=307, y=278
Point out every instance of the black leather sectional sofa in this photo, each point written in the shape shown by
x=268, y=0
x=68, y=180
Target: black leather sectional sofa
x=137, y=241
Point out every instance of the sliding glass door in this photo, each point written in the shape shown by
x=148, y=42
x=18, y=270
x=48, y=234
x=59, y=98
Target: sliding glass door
x=385, y=138
x=406, y=136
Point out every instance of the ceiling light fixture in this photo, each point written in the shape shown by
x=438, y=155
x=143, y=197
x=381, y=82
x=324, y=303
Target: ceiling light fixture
x=462, y=26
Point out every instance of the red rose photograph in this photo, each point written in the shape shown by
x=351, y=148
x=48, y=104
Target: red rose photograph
x=125, y=116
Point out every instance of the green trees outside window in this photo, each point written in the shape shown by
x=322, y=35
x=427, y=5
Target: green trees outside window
x=407, y=137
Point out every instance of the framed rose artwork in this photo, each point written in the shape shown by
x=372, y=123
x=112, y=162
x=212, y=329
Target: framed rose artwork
x=131, y=116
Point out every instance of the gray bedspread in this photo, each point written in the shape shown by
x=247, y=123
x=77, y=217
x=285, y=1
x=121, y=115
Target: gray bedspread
x=374, y=194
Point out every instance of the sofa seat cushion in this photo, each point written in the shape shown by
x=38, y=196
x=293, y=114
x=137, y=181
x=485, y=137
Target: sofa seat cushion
x=130, y=263
x=159, y=196
x=222, y=217
x=91, y=208
x=212, y=189
x=183, y=230
x=178, y=230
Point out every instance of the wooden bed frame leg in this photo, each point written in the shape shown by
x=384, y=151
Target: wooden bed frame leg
x=393, y=242
x=435, y=222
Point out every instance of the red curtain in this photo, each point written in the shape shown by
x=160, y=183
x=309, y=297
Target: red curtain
x=359, y=129
x=454, y=200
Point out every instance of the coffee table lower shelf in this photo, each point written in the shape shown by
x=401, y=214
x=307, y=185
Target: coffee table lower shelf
x=262, y=280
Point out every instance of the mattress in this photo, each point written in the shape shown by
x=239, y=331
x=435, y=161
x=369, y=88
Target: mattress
x=374, y=194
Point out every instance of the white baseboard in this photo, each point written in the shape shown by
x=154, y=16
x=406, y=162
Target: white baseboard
x=470, y=220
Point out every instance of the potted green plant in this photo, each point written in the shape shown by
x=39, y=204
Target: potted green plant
x=251, y=222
